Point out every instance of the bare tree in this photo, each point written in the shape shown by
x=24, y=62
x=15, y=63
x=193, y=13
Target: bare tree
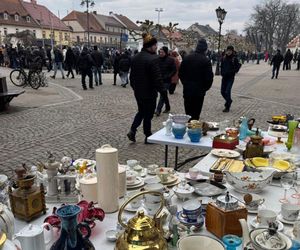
x=273, y=24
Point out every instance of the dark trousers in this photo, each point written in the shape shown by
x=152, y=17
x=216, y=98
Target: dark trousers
x=226, y=87
x=89, y=73
x=97, y=75
x=172, y=88
x=163, y=99
x=115, y=77
x=193, y=106
x=70, y=70
x=275, y=69
x=298, y=65
x=145, y=113
x=286, y=66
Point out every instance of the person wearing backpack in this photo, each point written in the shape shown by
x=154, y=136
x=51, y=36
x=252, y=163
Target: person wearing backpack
x=58, y=61
x=124, y=67
x=229, y=67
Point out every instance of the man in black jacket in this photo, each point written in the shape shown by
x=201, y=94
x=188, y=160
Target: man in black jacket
x=98, y=60
x=69, y=61
x=85, y=64
x=196, y=75
x=229, y=67
x=167, y=69
x=276, y=61
x=146, y=81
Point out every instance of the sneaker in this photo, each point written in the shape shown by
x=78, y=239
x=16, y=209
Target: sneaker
x=166, y=111
x=131, y=136
x=226, y=110
x=123, y=85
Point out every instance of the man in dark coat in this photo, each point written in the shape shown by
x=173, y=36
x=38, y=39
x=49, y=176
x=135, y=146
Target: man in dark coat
x=146, y=81
x=85, y=64
x=276, y=61
x=167, y=69
x=124, y=67
x=288, y=57
x=116, y=66
x=196, y=75
x=69, y=61
x=229, y=67
x=98, y=60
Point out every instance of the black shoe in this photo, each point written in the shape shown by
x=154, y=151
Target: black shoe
x=131, y=136
x=84, y=88
x=92, y=87
x=157, y=113
x=146, y=141
x=73, y=77
x=100, y=83
x=96, y=84
x=226, y=110
x=53, y=77
x=63, y=77
x=272, y=77
x=123, y=85
x=114, y=84
x=166, y=111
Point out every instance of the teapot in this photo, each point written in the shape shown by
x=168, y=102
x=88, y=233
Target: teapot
x=142, y=232
x=32, y=237
x=254, y=147
x=264, y=238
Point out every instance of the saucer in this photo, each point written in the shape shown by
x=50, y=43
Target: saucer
x=137, y=181
x=183, y=219
x=255, y=224
x=289, y=222
x=171, y=179
x=199, y=177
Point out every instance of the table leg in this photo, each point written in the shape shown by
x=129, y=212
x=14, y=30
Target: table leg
x=166, y=155
x=176, y=158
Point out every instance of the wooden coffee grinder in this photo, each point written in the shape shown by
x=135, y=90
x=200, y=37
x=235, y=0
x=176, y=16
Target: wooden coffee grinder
x=27, y=200
x=222, y=216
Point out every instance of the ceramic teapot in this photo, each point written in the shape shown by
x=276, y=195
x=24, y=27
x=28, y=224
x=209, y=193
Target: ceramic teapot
x=142, y=232
x=32, y=237
x=264, y=238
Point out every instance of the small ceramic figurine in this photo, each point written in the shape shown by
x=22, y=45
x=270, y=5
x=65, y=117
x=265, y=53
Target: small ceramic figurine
x=169, y=126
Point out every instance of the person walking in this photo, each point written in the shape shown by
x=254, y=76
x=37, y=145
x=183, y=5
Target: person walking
x=196, y=75
x=85, y=64
x=276, y=61
x=98, y=60
x=58, y=60
x=69, y=62
x=146, y=82
x=116, y=66
x=288, y=57
x=175, y=77
x=298, y=61
x=229, y=67
x=124, y=67
x=167, y=69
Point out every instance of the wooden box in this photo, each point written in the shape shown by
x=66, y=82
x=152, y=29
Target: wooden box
x=220, y=222
x=227, y=143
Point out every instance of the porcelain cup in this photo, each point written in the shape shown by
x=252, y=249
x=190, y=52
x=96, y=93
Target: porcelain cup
x=151, y=198
x=132, y=163
x=130, y=177
x=257, y=200
x=192, y=210
x=152, y=168
x=137, y=202
x=194, y=172
x=266, y=216
x=152, y=207
x=290, y=212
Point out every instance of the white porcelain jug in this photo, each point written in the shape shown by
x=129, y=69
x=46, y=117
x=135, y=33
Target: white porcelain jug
x=32, y=237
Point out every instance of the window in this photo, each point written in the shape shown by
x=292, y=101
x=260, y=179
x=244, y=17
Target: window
x=66, y=37
x=116, y=40
x=5, y=31
x=91, y=38
x=105, y=40
x=16, y=17
x=101, y=39
x=60, y=36
x=5, y=16
x=95, y=39
x=34, y=33
x=78, y=39
x=17, y=30
x=28, y=19
x=44, y=34
x=111, y=40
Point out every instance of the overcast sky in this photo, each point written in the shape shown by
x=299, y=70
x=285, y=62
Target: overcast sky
x=185, y=12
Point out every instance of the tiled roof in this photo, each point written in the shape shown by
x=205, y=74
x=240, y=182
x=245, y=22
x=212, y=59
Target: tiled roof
x=12, y=7
x=108, y=20
x=295, y=42
x=81, y=18
x=206, y=29
x=128, y=23
x=44, y=16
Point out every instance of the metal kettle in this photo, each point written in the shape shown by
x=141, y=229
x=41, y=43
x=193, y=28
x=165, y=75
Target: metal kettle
x=142, y=232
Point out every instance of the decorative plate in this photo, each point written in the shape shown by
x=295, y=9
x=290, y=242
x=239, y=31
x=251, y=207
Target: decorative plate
x=225, y=153
x=171, y=179
x=199, y=177
x=280, y=217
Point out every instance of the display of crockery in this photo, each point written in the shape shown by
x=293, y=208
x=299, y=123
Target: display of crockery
x=183, y=219
x=151, y=169
x=254, y=223
x=79, y=162
x=151, y=180
x=267, y=149
x=255, y=211
x=199, y=177
x=171, y=179
x=289, y=222
x=139, y=182
x=225, y=153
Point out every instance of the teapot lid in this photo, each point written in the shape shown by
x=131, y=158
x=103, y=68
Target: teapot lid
x=30, y=231
x=227, y=199
x=141, y=222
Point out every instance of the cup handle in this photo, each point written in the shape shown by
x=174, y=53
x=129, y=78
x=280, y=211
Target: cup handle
x=87, y=227
x=262, y=201
x=51, y=231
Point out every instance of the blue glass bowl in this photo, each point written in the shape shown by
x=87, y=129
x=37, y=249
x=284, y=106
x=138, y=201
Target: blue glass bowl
x=195, y=134
x=179, y=131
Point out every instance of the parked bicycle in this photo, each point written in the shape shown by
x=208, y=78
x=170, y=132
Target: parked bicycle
x=20, y=78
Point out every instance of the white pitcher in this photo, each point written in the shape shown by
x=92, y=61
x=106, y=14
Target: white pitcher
x=32, y=237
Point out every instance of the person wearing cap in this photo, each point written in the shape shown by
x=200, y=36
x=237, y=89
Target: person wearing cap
x=146, y=82
x=168, y=69
x=229, y=67
x=196, y=75
x=276, y=61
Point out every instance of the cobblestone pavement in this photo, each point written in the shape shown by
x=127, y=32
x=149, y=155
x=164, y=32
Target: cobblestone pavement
x=69, y=121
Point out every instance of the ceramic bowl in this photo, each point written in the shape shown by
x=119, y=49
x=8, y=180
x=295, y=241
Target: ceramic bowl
x=180, y=118
x=163, y=173
x=249, y=182
x=183, y=192
x=199, y=242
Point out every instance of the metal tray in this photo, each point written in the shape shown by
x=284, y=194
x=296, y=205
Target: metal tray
x=208, y=188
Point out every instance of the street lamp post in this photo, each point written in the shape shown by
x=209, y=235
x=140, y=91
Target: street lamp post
x=158, y=10
x=221, y=13
x=88, y=4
